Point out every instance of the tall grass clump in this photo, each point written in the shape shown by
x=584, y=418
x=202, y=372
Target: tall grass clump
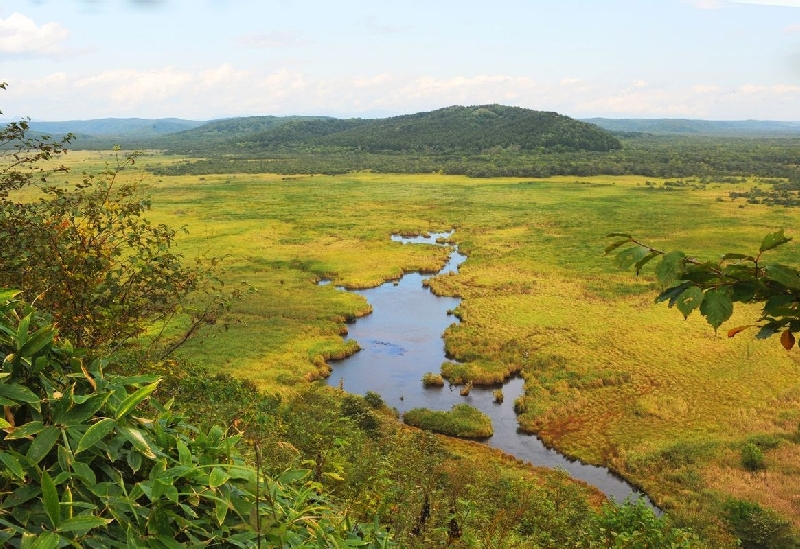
x=461, y=421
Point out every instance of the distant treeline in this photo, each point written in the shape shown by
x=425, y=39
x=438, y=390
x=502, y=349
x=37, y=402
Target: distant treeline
x=707, y=158
x=477, y=141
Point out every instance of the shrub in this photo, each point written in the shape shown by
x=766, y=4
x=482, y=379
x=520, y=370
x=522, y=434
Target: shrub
x=461, y=421
x=83, y=465
x=374, y=400
x=758, y=528
x=752, y=457
x=82, y=469
x=635, y=525
x=432, y=380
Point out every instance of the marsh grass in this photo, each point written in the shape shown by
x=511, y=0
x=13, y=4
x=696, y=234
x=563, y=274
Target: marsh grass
x=611, y=377
x=463, y=421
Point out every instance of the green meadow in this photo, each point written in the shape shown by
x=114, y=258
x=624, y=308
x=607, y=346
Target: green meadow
x=611, y=377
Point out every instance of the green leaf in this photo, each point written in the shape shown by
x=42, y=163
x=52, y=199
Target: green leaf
x=717, y=307
x=138, y=441
x=95, y=434
x=670, y=268
x=672, y=294
x=768, y=330
x=85, y=472
x=744, y=291
x=19, y=393
x=20, y=495
x=170, y=543
x=614, y=245
x=220, y=511
x=643, y=261
x=730, y=257
x=628, y=257
x=12, y=464
x=22, y=331
x=773, y=240
x=784, y=275
x=134, y=460
x=82, y=412
x=27, y=430
x=82, y=523
x=8, y=295
x=218, y=477
x=689, y=300
x=47, y=540
x=293, y=475
x=38, y=340
x=184, y=454
x=135, y=398
x=779, y=305
x=52, y=505
x=43, y=443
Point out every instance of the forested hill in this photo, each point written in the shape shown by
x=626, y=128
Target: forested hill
x=457, y=128
x=453, y=129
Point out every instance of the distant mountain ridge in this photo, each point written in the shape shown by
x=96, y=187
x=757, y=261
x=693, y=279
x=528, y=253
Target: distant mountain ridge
x=678, y=126
x=139, y=127
x=451, y=129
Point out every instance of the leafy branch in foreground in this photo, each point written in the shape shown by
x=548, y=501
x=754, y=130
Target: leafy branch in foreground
x=83, y=463
x=712, y=287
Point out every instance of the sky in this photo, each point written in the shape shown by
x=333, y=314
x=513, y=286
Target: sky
x=209, y=59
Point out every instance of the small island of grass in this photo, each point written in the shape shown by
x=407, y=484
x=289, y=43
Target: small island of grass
x=462, y=421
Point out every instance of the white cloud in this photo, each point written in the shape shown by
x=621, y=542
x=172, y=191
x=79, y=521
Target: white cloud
x=792, y=29
x=226, y=90
x=20, y=35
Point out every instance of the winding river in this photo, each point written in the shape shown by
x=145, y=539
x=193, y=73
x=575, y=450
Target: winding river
x=401, y=340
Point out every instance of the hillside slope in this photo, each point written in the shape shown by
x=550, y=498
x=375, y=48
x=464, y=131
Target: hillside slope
x=456, y=128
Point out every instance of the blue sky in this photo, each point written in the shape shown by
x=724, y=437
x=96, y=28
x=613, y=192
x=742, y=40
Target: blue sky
x=205, y=59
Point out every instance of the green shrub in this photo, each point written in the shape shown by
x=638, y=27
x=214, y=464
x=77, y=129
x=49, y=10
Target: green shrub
x=635, y=525
x=86, y=465
x=432, y=380
x=83, y=467
x=374, y=400
x=752, y=457
x=461, y=421
x=357, y=409
x=759, y=528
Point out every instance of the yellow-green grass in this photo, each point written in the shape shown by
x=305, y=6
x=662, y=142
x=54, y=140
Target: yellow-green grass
x=611, y=377
x=462, y=421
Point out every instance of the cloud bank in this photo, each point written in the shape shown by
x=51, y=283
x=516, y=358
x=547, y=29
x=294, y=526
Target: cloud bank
x=20, y=35
x=226, y=90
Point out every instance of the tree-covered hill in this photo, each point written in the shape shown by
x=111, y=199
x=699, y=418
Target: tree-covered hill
x=456, y=128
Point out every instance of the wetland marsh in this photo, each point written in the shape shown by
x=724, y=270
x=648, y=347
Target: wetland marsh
x=610, y=377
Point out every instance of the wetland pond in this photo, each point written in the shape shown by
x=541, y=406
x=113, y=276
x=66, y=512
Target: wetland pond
x=401, y=340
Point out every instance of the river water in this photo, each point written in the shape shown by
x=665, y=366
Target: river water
x=401, y=340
